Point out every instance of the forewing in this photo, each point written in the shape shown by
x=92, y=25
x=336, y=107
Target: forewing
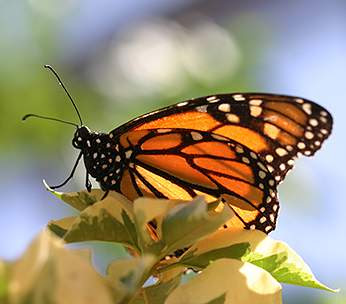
x=276, y=127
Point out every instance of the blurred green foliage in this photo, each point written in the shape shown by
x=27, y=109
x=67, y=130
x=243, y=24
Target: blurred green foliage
x=31, y=39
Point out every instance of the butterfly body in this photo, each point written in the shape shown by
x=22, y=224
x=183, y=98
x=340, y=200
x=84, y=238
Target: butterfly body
x=234, y=147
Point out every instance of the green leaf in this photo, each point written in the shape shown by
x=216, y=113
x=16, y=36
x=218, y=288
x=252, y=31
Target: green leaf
x=60, y=227
x=128, y=275
x=276, y=257
x=146, y=210
x=285, y=265
x=78, y=200
x=236, y=251
x=185, y=224
x=107, y=220
x=229, y=281
x=48, y=273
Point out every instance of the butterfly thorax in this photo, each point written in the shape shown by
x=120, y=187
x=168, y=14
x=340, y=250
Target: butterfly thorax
x=102, y=156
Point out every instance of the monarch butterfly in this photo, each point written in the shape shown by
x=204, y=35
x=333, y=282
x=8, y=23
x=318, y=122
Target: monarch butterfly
x=234, y=147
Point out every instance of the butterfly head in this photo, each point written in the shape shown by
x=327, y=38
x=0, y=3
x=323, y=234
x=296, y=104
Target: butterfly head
x=81, y=137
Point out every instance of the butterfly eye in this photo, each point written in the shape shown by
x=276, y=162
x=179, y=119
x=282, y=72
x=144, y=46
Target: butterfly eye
x=81, y=135
x=77, y=141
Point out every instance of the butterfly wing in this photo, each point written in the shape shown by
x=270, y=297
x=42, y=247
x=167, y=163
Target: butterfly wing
x=183, y=163
x=278, y=128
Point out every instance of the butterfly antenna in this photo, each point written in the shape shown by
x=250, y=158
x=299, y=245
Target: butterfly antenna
x=63, y=86
x=25, y=117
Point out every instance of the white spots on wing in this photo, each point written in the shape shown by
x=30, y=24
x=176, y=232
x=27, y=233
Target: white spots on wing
x=255, y=102
x=275, y=207
x=307, y=108
x=252, y=227
x=128, y=153
x=113, y=181
x=290, y=162
x=131, y=165
x=313, y=122
x=108, y=145
x=111, y=135
x=238, y=97
x=261, y=174
x=196, y=136
x=88, y=143
x=163, y=130
x=269, y=158
x=301, y=145
x=324, y=131
x=212, y=99
x=261, y=186
x=272, y=217
x=263, y=167
x=270, y=168
x=281, y=151
x=282, y=167
x=289, y=148
x=268, y=200
x=79, y=138
x=307, y=153
x=272, y=193
x=181, y=104
x=262, y=219
x=263, y=209
x=94, y=155
x=202, y=109
x=245, y=160
x=98, y=140
x=104, y=166
x=118, y=158
x=278, y=178
x=323, y=113
x=232, y=118
x=255, y=111
x=271, y=131
x=317, y=143
x=239, y=149
x=268, y=228
x=224, y=107
x=105, y=178
x=103, y=156
x=309, y=135
x=271, y=182
x=323, y=119
x=110, y=160
x=117, y=171
x=253, y=155
x=299, y=100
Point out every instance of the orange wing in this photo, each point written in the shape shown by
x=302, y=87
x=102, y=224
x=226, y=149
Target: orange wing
x=183, y=163
x=278, y=128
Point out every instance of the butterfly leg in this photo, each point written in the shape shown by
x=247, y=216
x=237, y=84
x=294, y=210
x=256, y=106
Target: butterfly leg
x=87, y=182
x=104, y=195
x=71, y=174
